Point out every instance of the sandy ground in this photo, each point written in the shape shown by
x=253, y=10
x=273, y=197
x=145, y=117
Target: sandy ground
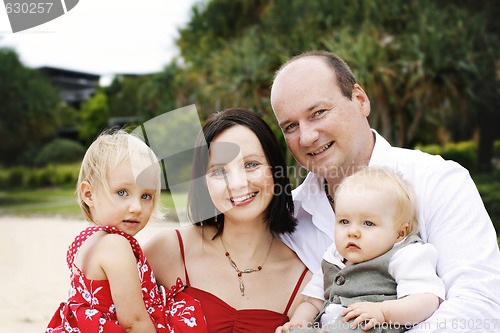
x=34, y=277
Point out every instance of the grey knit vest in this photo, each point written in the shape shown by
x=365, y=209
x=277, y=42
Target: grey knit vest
x=367, y=281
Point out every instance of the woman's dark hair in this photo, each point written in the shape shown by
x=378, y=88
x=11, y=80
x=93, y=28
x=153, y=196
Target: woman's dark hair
x=201, y=210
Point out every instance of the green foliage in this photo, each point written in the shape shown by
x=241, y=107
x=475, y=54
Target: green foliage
x=433, y=149
x=29, y=110
x=14, y=177
x=124, y=95
x=69, y=116
x=424, y=64
x=496, y=149
x=166, y=91
x=213, y=23
x=60, y=151
x=31, y=178
x=94, y=115
x=464, y=153
x=489, y=188
x=417, y=64
x=40, y=178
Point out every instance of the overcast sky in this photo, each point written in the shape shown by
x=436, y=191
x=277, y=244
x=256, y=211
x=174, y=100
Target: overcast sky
x=103, y=36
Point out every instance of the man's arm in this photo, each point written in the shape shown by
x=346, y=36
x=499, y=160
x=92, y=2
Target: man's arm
x=455, y=221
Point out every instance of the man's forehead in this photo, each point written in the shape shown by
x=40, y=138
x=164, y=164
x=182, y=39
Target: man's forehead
x=303, y=64
x=299, y=75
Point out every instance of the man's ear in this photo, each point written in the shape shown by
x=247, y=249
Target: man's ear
x=403, y=231
x=361, y=97
x=86, y=193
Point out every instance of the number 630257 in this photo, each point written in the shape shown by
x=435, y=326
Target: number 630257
x=28, y=7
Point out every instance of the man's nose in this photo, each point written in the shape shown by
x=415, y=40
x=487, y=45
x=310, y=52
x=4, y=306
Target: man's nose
x=308, y=135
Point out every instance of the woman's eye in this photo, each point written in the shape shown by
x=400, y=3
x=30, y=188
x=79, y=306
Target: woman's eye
x=252, y=165
x=121, y=193
x=218, y=172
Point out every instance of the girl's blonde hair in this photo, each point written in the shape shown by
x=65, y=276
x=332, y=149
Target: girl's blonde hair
x=386, y=179
x=111, y=149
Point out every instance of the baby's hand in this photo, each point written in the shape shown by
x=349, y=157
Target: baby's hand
x=364, y=312
x=287, y=326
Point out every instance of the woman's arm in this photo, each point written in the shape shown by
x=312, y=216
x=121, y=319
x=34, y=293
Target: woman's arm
x=163, y=254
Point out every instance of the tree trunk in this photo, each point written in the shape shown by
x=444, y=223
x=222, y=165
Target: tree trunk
x=489, y=130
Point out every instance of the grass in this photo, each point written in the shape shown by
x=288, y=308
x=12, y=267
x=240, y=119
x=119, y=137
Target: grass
x=61, y=201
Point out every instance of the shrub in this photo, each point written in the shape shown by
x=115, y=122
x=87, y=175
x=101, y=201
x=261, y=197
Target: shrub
x=15, y=177
x=46, y=177
x=60, y=151
x=433, y=149
x=489, y=188
x=496, y=149
x=3, y=178
x=464, y=152
x=31, y=178
x=66, y=174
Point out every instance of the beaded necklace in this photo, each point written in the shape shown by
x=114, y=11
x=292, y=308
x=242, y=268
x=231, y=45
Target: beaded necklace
x=240, y=272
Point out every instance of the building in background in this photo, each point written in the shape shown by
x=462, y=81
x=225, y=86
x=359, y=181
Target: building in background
x=74, y=87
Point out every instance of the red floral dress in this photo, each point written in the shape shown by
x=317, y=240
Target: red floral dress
x=90, y=308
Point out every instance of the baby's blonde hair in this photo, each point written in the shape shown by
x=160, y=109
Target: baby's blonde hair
x=111, y=149
x=386, y=179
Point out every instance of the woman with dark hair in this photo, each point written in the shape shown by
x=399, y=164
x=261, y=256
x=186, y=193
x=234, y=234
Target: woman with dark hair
x=279, y=214
x=240, y=202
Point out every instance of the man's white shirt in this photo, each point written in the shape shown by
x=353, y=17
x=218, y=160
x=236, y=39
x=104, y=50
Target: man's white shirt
x=452, y=218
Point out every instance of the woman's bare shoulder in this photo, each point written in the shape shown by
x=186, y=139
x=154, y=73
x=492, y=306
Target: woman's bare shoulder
x=163, y=252
x=284, y=251
x=165, y=239
x=288, y=254
x=290, y=270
